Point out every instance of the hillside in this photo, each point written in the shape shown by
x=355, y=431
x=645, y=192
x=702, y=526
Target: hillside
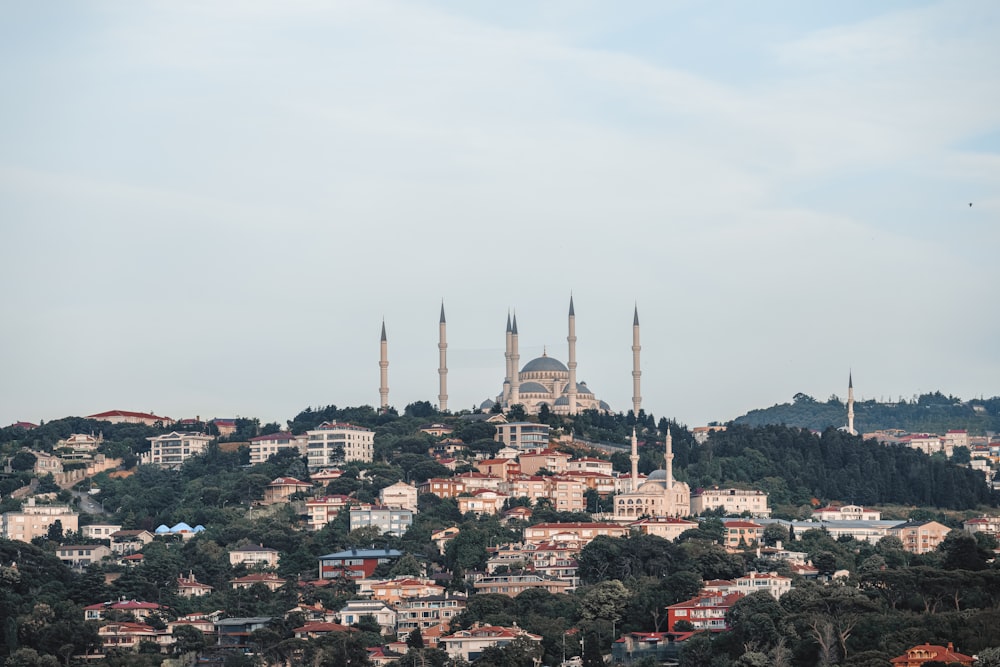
x=931, y=413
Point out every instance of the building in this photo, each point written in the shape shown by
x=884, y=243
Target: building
x=355, y=563
x=388, y=520
x=669, y=528
x=393, y=591
x=136, y=608
x=126, y=636
x=269, y=580
x=125, y=542
x=427, y=611
x=126, y=417
x=482, y=502
x=255, y=556
x=99, y=531
x=846, y=513
x=590, y=465
x=920, y=537
x=924, y=653
x=546, y=459
x=35, y=520
x=399, y=495
x=660, y=495
x=282, y=488
x=468, y=645
x=523, y=436
x=704, y=612
x=734, y=502
x=189, y=587
x=577, y=531
x=324, y=509
x=173, y=449
x=740, y=534
x=771, y=582
x=437, y=430
x=334, y=443
x=353, y=611
x=264, y=447
x=514, y=584
x=234, y=633
x=984, y=524
x=663, y=647
x=81, y=556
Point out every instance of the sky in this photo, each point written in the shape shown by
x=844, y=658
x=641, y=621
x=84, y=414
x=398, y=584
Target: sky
x=209, y=208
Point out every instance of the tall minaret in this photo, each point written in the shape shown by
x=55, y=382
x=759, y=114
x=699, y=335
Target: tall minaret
x=571, y=339
x=506, y=359
x=850, y=404
x=669, y=457
x=442, y=363
x=636, y=373
x=383, y=364
x=515, y=365
x=635, y=462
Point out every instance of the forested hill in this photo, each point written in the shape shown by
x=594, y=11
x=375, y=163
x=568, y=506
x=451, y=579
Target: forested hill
x=795, y=465
x=930, y=413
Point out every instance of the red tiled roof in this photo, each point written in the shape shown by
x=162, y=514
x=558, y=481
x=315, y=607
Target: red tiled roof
x=126, y=413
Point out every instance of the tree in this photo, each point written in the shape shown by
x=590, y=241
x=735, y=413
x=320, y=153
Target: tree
x=187, y=638
x=415, y=639
x=988, y=657
x=23, y=461
x=592, y=650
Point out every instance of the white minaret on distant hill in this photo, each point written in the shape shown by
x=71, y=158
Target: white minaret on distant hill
x=571, y=339
x=636, y=373
x=442, y=363
x=383, y=364
x=850, y=403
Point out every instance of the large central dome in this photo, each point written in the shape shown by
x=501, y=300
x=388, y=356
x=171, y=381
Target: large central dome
x=544, y=363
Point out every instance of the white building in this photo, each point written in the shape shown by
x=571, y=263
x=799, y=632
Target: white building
x=34, y=521
x=771, y=582
x=523, y=436
x=173, y=449
x=264, y=447
x=389, y=520
x=255, y=555
x=335, y=443
x=400, y=495
x=734, y=502
x=351, y=613
x=846, y=513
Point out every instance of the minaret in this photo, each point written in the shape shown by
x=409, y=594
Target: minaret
x=669, y=457
x=635, y=461
x=515, y=365
x=506, y=359
x=442, y=363
x=850, y=404
x=571, y=339
x=636, y=373
x=383, y=364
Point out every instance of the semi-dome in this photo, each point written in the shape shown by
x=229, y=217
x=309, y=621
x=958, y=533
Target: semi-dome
x=544, y=363
x=581, y=389
x=532, y=388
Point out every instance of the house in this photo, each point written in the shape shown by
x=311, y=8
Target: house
x=258, y=555
x=924, y=653
x=325, y=476
x=126, y=417
x=742, y=534
x=281, y=488
x=846, y=513
x=263, y=447
x=524, y=436
x=443, y=487
x=442, y=537
x=138, y=609
x=35, y=520
x=669, y=528
x=355, y=563
x=920, y=537
x=125, y=542
x=81, y=556
x=603, y=484
x=391, y=591
x=325, y=509
x=468, y=645
x=267, y=579
x=660, y=646
x=550, y=459
x=513, y=585
x=771, y=582
x=189, y=587
x=437, y=430
x=984, y=524
x=100, y=531
x=704, y=612
x=428, y=611
x=502, y=469
x=399, y=495
x=197, y=621
x=388, y=520
x=482, y=502
x=226, y=426
x=598, y=466
x=384, y=615
x=45, y=464
x=317, y=629
x=333, y=443
x=734, y=502
x=584, y=532
x=126, y=636
x=234, y=633
x=173, y=449
x=478, y=480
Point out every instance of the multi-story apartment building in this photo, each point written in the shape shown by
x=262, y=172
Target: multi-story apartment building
x=264, y=447
x=983, y=524
x=400, y=495
x=482, y=502
x=428, y=611
x=468, y=645
x=100, y=531
x=523, y=436
x=549, y=459
x=742, y=534
x=173, y=449
x=669, y=528
x=704, y=612
x=35, y=520
x=255, y=556
x=333, y=443
x=733, y=502
x=846, y=513
x=920, y=537
x=389, y=520
x=599, y=466
x=325, y=509
x=80, y=556
x=579, y=531
x=514, y=584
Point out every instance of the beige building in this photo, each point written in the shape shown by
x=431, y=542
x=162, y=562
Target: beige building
x=126, y=417
x=513, y=585
x=733, y=502
x=669, y=528
x=740, y=534
x=920, y=537
x=333, y=443
x=482, y=502
x=34, y=521
x=81, y=556
x=255, y=556
x=599, y=466
x=582, y=532
x=279, y=490
x=264, y=447
x=846, y=513
x=548, y=459
x=325, y=509
x=100, y=531
x=399, y=495
x=468, y=645
x=771, y=582
x=173, y=449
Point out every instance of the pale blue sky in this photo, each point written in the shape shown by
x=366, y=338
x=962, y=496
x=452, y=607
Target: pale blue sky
x=206, y=208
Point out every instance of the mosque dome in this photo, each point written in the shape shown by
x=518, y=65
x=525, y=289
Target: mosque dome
x=487, y=404
x=544, y=363
x=581, y=390
x=562, y=400
x=532, y=388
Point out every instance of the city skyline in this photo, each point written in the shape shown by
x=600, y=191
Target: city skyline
x=211, y=208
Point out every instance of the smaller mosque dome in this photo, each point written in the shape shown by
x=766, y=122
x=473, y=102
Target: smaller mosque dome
x=544, y=363
x=532, y=388
x=562, y=400
x=487, y=404
x=604, y=406
x=581, y=390
x=657, y=475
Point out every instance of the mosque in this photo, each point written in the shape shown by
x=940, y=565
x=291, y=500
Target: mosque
x=542, y=381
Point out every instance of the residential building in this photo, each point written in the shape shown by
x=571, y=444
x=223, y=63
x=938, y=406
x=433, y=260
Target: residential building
x=924, y=653
x=984, y=524
x=281, y=488
x=702, y=433
x=482, y=502
x=605, y=485
x=255, y=556
x=138, y=609
x=354, y=563
x=846, y=513
x=269, y=580
x=741, y=534
x=126, y=417
x=100, y=531
x=45, y=464
x=399, y=495
x=325, y=476
x=437, y=430
x=388, y=520
x=920, y=537
x=442, y=537
x=427, y=611
x=662, y=647
x=523, y=436
x=125, y=542
x=548, y=459
x=173, y=449
x=704, y=612
x=584, y=532
x=352, y=612
x=189, y=587
x=734, y=502
x=35, y=520
x=234, y=633
x=599, y=466
x=264, y=447
x=324, y=509
x=334, y=443
x=392, y=591
x=468, y=645
x=126, y=636
x=669, y=528
x=503, y=469
x=316, y=629
x=514, y=584
x=81, y=556
x=443, y=487
x=478, y=480
x=771, y=582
